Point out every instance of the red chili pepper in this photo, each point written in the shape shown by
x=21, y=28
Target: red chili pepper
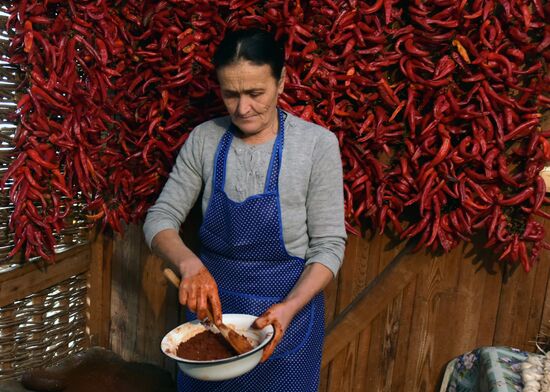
x=38, y=159
x=415, y=229
x=443, y=151
x=517, y=132
x=517, y=199
x=37, y=92
x=412, y=49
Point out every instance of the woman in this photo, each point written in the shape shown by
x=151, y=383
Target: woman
x=273, y=232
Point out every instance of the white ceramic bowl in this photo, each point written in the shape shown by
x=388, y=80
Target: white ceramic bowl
x=221, y=369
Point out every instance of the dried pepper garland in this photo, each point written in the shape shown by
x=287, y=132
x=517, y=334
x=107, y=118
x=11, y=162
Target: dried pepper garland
x=437, y=107
x=68, y=52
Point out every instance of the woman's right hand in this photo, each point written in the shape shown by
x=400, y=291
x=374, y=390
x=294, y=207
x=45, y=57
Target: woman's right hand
x=198, y=290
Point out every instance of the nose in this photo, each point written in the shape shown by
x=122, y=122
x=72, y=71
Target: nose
x=243, y=105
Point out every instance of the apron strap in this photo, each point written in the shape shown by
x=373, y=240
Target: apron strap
x=272, y=178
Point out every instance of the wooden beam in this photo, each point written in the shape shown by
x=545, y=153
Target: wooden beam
x=99, y=288
x=30, y=278
x=369, y=303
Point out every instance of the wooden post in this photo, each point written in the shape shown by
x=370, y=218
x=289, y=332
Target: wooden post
x=99, y=288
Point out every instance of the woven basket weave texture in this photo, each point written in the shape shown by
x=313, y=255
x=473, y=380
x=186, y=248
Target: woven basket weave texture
x=43, y=328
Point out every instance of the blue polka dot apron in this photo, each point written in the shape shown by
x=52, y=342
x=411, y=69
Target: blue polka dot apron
x=243, y=248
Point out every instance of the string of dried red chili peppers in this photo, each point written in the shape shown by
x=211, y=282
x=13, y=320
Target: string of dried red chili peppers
x=437, y=107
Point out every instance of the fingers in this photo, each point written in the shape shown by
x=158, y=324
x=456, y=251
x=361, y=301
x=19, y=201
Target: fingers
x=261, y=321
x=268, y=351
x=197, y=291
x=183, y=296
x=188, y=294
x=202, y=303
x=192, y=300
x=270, y=348
x=216, y=306
x=264, y=320
x=269, y=317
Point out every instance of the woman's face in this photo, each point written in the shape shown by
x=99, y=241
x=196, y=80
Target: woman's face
x=250, y=95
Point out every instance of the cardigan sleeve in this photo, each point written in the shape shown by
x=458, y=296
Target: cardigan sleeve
x=180, y=191
x=325, y=206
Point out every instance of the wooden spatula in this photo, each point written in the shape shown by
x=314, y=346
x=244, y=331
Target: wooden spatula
x=239, y=343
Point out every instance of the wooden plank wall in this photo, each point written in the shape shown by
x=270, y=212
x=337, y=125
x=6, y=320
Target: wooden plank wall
x=455, y=303
x=143, y=306
x=451, y=304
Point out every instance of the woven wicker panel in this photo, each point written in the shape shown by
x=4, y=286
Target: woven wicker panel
x=76, y=226
x=43, y=328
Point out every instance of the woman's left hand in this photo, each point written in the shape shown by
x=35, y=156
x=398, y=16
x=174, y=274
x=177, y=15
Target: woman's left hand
x=314, y=278
x=279, y=315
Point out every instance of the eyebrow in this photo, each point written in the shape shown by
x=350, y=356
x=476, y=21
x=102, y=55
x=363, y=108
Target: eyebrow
x=247, y=91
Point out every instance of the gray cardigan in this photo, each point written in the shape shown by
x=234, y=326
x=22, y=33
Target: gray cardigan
x=310, y=186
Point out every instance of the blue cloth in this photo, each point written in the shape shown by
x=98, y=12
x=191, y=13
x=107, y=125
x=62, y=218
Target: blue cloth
x=243, y=248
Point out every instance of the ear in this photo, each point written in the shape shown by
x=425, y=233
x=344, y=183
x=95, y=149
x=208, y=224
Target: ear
x=281, y=83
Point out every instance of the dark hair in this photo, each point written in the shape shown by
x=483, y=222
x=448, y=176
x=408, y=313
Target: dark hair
x=255, y=45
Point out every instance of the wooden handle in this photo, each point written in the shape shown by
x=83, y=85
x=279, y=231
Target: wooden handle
x=172, y=277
